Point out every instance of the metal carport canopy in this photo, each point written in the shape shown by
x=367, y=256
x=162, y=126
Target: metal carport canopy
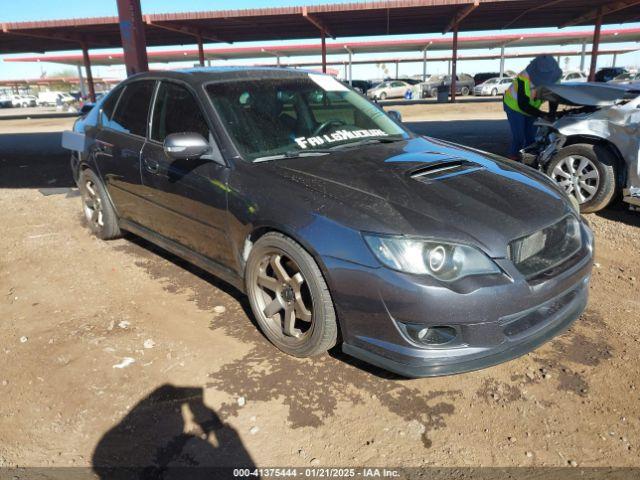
x=337, y=20
x=387, y=46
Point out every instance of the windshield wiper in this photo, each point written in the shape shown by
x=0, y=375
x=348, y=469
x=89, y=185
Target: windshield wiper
x=367, y=141
x=292, y=154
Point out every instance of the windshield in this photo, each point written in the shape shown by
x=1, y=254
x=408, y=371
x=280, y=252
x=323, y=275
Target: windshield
x=491, y=81
x=289, y=116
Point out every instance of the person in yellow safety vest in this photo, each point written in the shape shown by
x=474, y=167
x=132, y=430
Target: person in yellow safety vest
x=520, y=102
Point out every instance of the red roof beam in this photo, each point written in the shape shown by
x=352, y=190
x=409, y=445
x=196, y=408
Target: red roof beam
x=180, y=28
x=319, y=24
x=54, y=36
x=461, y=15
x=605, y=10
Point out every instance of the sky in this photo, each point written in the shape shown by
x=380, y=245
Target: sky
x=29, y=10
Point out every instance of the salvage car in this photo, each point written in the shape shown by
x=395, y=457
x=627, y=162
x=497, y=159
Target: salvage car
x=591, y=147
x=626, y=78
x=493, y=86
x=389, y=89
x=464, y=85
x=341, y=226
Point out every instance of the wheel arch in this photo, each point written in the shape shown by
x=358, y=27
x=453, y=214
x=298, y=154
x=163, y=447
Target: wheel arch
x=595, y=140
x=261, y=230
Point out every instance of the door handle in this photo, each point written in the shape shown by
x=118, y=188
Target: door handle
x=151, y=166
x=104, y=147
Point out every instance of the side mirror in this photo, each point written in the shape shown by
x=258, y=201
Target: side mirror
x=396, y=115
x=181, y=146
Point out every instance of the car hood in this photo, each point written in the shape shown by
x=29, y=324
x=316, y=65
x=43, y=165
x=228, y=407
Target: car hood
x=429, y=188
x=588, y=94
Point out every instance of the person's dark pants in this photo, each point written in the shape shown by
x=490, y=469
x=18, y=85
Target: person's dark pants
x=523, y=132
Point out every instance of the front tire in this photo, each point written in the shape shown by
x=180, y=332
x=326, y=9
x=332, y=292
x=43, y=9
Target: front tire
x=289, y=297
x=464, y=91
x=383, y=96
x=99, y=213
x=494, y=92
x=587, y=172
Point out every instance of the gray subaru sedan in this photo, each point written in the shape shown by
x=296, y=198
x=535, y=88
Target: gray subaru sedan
x=342, y=227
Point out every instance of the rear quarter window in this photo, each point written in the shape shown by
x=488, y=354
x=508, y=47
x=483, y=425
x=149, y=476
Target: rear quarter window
x=133, y=108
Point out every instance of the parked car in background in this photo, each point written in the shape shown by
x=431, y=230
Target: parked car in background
x=626, y=78
x=389, y=89
x=609, y=73
x=464, y=85
x=5, y=99
x=493, y=86
x=479, y=78
x=340, y=225
x=576, y=76
x=23, y=101
x=54, y=98
x=361, y=86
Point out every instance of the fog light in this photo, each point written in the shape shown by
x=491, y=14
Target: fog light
x=438, y=335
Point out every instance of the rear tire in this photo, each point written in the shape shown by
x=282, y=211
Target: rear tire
x=285, y=282
x=99, y=213
x=588, y=172
x=464, y=91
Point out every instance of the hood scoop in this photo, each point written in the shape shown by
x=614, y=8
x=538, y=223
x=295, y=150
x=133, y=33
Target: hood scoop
x=442, y=170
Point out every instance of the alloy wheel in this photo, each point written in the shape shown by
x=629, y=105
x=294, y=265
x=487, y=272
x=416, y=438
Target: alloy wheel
x=578, y=175
x=92, y=205
x=283, y=297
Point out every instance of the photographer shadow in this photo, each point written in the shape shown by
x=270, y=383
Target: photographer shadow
x=170, y=434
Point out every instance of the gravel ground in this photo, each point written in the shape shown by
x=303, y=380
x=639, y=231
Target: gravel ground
x=118, y=353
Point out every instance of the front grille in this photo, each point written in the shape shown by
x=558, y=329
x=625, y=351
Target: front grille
x=546, y=248
x=516, y=325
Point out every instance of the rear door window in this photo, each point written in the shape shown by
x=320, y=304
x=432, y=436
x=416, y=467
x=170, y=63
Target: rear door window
x=133, y=108
x=176, y=111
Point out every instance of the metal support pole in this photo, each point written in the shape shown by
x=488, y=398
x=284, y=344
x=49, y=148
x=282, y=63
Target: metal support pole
x=87, y=69
x=424, y=64
x=200, y=51
x=132, y=35
x=583, y=55
x=83, y=87
x=397, y=74
x=596, y=46
x=502, y=61
x=349, y=74
x=613, y=60
x=324, y=51
x=454, y=63
x=278, y=60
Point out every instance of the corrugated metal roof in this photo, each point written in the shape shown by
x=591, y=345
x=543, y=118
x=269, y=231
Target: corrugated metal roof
x=387, y=46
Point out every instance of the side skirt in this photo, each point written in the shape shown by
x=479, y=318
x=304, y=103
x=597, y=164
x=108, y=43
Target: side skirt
x=187, y=254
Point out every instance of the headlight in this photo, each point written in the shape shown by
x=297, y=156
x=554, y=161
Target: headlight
x=442, y=260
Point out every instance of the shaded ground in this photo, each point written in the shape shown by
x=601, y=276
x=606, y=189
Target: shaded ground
x=107, y=345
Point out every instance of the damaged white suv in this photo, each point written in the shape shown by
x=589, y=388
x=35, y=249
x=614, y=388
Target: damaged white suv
x=591, y=148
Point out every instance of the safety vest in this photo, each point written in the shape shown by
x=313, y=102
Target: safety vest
x=511, y=95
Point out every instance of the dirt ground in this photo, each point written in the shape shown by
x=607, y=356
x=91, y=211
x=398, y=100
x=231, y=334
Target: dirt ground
x=117, y=350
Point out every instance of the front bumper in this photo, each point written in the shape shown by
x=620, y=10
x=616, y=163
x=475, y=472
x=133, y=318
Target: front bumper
x=496, y=320
x=478, y=358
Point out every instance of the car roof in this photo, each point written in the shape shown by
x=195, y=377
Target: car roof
x=201, y=75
